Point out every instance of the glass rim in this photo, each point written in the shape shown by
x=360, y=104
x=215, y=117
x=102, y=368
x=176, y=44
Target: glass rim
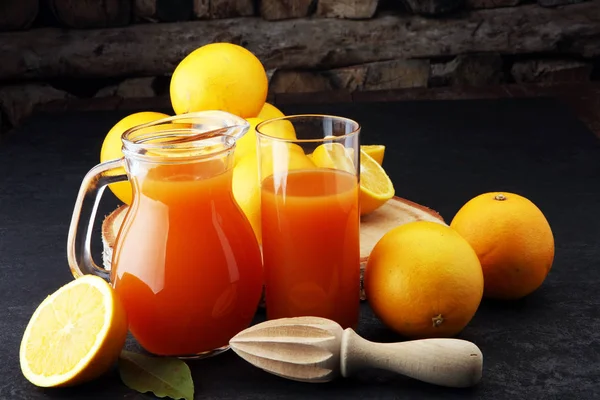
x=355, y=131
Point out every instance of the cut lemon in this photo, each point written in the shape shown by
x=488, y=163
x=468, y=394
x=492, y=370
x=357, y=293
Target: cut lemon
x=376, y=187
x=376, y=151
x=334, y=155
x=75, y=335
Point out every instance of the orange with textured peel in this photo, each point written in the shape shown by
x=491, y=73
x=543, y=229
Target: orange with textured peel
x=423, y=279
x=512, y=239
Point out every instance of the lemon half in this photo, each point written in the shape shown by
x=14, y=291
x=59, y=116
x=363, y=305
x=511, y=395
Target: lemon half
x=75, y=335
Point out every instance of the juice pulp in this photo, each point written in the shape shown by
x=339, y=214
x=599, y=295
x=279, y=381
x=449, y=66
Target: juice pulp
x=311, y=254
x=187, y=265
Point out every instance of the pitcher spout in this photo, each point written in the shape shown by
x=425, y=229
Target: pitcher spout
x=216, y=123
x=185, y=134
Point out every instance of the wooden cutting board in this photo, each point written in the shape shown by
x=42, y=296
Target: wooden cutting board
x=395, y=212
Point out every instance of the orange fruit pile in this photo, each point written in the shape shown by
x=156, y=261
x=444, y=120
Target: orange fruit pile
x=426, y=279
x=228, y=77
x=217, y=76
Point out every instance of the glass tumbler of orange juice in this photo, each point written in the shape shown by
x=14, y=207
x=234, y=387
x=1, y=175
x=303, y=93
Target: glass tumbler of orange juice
x=186, y=263
x=309, y=176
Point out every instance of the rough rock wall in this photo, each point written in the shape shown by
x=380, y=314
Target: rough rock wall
x=53, y=49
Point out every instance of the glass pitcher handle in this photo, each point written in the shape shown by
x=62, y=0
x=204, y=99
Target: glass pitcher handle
x=79, y=240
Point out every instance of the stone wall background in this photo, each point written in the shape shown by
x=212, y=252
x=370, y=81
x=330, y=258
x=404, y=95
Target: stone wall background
x=62, y=49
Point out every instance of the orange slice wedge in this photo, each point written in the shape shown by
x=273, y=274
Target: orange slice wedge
x=376, y=151
x=334, y=155
x=376, y=187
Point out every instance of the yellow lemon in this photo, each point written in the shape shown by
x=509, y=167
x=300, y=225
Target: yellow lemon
x=270, y=111
x=376, y=187
x=280, y=157
x=247, y=143
x=246, y=190
x=277, y=158
x=376, y=151
x=334, y=155
x=219, y=76
x=75, y=335
x=282, y=129
x=111, y=147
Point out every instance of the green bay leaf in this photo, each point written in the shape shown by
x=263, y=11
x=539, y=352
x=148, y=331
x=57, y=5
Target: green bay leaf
x=163, y=376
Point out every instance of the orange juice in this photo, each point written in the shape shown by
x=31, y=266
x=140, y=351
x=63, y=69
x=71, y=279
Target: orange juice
x=310, y=231
x=188, y=269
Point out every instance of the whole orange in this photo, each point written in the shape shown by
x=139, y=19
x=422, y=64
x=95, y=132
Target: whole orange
x=512, y=239
x=423, y=279
x=219, y=76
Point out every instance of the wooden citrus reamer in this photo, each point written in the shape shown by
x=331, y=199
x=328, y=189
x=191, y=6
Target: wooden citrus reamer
x=311, y=349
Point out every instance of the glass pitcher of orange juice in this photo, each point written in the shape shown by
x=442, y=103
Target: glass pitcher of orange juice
x=186, y=263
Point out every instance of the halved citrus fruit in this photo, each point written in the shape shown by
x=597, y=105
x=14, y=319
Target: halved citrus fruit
x=423, y=279
x=376, y=151
x=334, y=155
x=376, y=187
x=75, y=335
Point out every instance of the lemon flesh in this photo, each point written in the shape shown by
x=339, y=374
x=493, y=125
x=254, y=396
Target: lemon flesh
x=335, y=156
x=75, y=335
x=376, y=187
x=376, y=151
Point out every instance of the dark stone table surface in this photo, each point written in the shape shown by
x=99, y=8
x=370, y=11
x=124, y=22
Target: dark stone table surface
x=439, y=154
